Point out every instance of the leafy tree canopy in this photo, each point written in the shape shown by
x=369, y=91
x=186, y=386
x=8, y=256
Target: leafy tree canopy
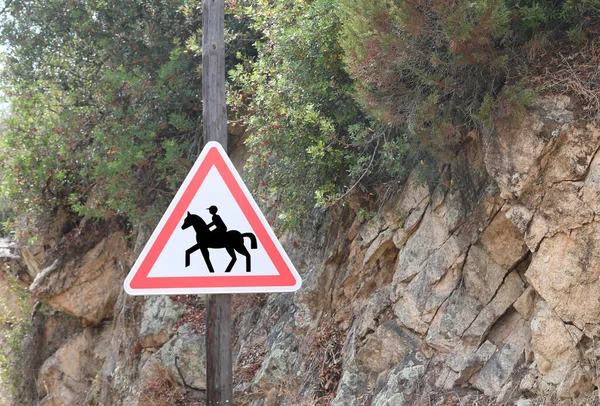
x=105, y=106
x=340, y=96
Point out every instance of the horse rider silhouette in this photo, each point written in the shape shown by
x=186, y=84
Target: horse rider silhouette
x=231, y=240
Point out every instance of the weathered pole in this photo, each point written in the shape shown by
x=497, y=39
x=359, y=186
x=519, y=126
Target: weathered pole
x=218, y=308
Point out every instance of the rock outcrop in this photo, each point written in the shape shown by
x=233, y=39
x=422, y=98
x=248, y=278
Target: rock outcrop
x=66, y=377
x=85, y=286
x=491, y=288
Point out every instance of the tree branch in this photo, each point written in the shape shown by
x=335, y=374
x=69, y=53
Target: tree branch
x=359, y=179
x=6, y=6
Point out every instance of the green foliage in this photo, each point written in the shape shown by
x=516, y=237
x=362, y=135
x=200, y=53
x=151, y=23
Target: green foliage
x=485, y=116
x=106, y=102
x=557, y=18
x=105, y=105
x=309, y=140
x=513, y=104
x=93, y=396
x=14, y=330
x=433, y=68
x=424, y=66
x=340, y=96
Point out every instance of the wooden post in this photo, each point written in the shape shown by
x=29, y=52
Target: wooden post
x=219, y=386
x=213, y=72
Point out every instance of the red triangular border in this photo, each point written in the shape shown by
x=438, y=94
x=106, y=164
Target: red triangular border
x=213, y=158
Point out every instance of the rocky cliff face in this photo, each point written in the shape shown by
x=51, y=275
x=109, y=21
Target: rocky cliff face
x=489, y=288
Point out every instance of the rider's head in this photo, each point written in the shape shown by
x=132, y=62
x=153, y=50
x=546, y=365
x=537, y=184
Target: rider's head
x=213, y=209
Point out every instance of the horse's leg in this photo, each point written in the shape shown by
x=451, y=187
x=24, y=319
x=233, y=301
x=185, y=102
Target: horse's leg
x=242, y=250
x=206, y=256
x=189, y=252
x=231, y=252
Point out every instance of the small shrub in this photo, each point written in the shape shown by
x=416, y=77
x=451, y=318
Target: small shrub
x=329, y=352
x=322, y=359
x=195, y=312
x=93, y=396
x=425, y=65
x=309, y=142
x=433, y=69
x=14, y=330
x=162, y=390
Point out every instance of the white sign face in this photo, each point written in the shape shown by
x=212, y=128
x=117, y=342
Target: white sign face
x=213, y=238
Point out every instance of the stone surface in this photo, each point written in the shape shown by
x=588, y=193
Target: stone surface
x=561, y=210
x=278, y=364
x=183, y=357
x=402, y=381
x=422, y=296
x=578, y=382
x=498, y=370
x=65, y=378
x=503, y=242
x=525, y=304
x=379, y=246
x=371, y=310
x=62, y=376
x=464, y=361
x=414, y=193
x=412, y=198
x=347, y=389
x=520, y=216
x=508, y=292
x=430, y=235
x=87, y=286
x=565, y=271
x=12, y=262
x=384, y=349
x=410, y=224
x=556, y=353
x=371, y=229
x=453, y=319
x=158, y=320
x=571, y=157
x=590, y=192
x=481, y=274
x=513, y=154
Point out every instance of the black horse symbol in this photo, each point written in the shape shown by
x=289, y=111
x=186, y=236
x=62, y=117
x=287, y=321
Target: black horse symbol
x=231, y=240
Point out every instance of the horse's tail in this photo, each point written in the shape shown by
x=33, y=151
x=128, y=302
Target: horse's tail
x=252, y=240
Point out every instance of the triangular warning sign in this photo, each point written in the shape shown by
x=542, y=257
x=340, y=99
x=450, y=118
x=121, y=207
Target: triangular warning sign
x=212, y=224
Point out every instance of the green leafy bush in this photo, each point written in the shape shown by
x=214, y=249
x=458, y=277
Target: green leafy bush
x=433, y=68
x=309, y=140
x=106, y=102
x=14, y=330
x=105, y=105
x=424, y=66
x=340, y=96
